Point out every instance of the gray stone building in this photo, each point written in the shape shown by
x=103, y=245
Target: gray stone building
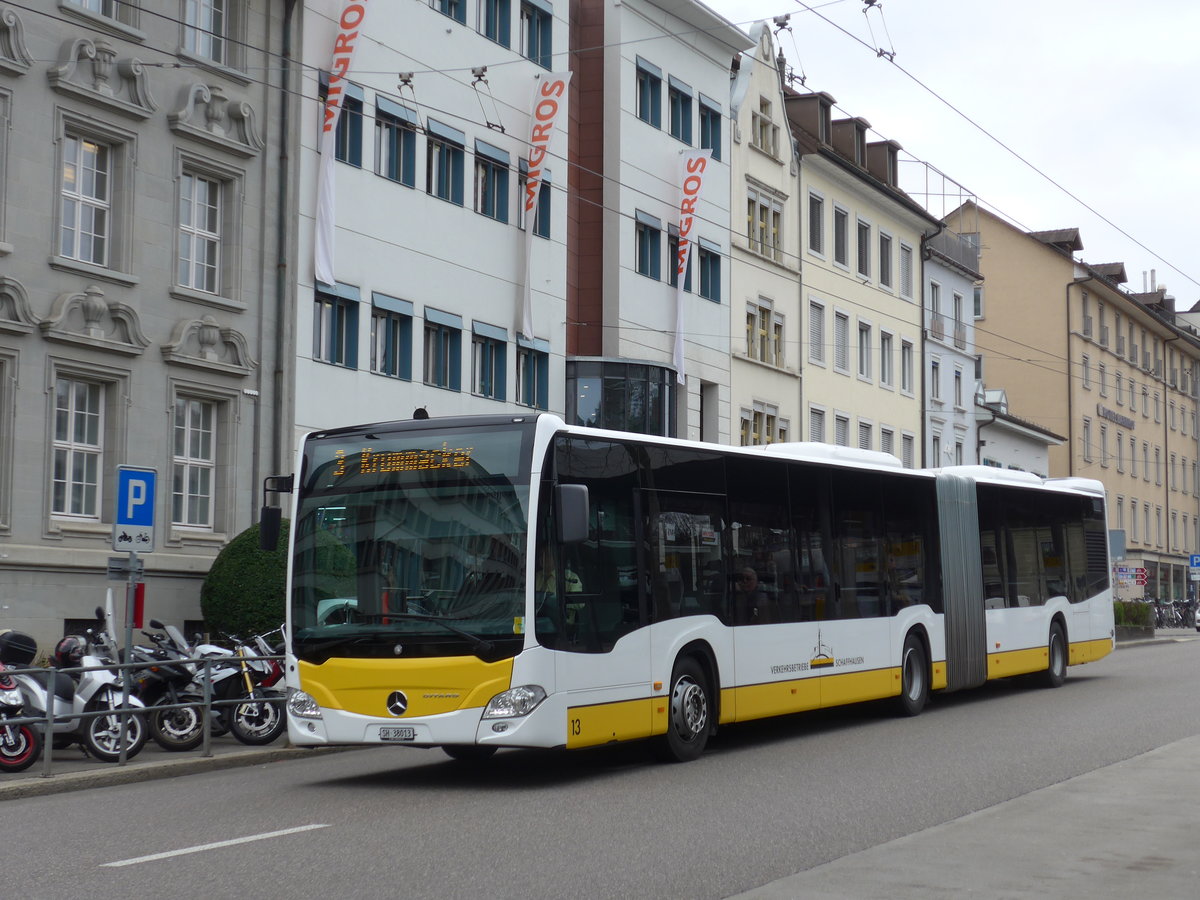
x=140, y=174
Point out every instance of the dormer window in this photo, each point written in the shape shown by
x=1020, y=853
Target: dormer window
x=825, y=122
x=860, y=145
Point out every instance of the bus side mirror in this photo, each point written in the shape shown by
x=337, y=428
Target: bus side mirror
x=269, y=521
x=571, y=508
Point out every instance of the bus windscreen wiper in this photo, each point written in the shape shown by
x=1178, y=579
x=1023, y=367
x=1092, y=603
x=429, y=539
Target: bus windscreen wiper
x=482, y=646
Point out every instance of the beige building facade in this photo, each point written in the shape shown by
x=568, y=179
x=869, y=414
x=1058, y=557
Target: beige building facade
x=861, y=257
x=1113, y=371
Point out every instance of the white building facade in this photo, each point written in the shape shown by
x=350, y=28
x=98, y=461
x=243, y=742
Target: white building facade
x=952, y=284
x=652, y=82
x=429, y=244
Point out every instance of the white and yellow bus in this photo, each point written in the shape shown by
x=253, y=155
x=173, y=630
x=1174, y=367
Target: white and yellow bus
x=484, y=582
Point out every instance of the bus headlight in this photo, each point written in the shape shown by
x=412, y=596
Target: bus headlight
x=518, y=701
x=302, y=706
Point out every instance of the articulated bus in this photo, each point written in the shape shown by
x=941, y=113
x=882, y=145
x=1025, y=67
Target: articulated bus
x=484, y=582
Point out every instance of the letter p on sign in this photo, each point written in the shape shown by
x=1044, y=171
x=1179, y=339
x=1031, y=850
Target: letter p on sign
x=133, y=524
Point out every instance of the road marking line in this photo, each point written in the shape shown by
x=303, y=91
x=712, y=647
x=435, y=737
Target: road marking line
x=202, y=847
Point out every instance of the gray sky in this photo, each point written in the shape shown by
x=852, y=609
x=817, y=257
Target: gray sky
x=1099, y=96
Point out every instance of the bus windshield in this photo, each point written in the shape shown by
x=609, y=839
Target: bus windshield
x=413, y=538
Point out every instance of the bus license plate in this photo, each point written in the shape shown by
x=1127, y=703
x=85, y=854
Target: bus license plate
x=397, y=734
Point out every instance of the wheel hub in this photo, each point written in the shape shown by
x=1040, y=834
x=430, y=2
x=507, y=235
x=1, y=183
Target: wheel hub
x=689, y=709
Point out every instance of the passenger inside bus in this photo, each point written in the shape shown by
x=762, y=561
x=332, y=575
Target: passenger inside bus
x=749, y=599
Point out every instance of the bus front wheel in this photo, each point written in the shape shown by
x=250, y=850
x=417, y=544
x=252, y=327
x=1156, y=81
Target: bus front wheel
x=690, y=717
x=1056, y=667
x=914, y=677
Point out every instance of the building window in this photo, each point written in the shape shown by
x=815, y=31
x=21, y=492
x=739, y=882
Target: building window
x=348, y=135
x=816, y=224
x=679, y=103
x=841, y=342
x=649, y=93
x=491, y=183
x=816, y=332
x=673, y=260
x=1103, y=445
x=116, y=10
x=541, y=217
x=865, y=435
x=495, y=20
x=864, y=350
x=764, y=219
x=335, y=328
x=908, y=451
x=647, y=238
x=906, y=367
x=443, y=350
x=764, y=133
x=841, y=431
x=533, y=377
x=86, y=190
x=958, y=388
x=816, y=424
x=887, y=441
x=445, y=159
x=395, y=143
x=906, y=271
x=841, y=237
x=78, y=447
x=537, y=21
x=977, y=302
x=624, y=396
x=710, y=126
x=764, y=333
x=200, y=218
x=886, y=375
x=864, y=249
x=488, y=362
x=710, y=272
x=885, y=260
x=193, y=466
x=206, y=29
x=935, y=380
x=455, y=9
x=1086, y=365
x=762, y=425
x=391, y=337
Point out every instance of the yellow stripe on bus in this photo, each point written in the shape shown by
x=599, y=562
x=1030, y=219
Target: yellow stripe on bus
x=604, y=723
x=1037, y=659
x=1090, y=651
x=432, y=686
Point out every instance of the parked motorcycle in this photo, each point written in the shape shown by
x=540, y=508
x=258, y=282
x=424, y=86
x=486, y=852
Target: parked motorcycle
x=20, y=745
x=97, y=690
x=258, y=718
x=165, y=681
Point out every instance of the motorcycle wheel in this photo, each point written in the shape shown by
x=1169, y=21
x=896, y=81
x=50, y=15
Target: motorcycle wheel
x=20, y=746
x=176, y=729
x=102, y=734
x=256, y=720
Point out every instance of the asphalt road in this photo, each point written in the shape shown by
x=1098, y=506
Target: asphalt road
x=768, y=800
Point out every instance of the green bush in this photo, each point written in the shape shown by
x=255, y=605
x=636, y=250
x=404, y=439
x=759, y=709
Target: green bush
x=1133, y=614
x=243, y=593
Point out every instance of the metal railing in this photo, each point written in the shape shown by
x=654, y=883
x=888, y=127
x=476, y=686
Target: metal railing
x=49, y=675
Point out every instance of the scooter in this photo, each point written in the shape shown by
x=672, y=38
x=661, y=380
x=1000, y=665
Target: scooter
x=20, y=745
x=96, y=690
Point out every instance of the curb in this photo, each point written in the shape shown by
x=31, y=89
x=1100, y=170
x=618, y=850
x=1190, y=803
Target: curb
x=38, y=786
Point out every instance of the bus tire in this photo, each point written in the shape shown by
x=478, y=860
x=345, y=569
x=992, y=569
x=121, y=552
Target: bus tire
x=914, y=677
x=469, y=752
x=1056, y=666
x=689, y=718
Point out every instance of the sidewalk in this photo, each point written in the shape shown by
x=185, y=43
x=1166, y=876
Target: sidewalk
x=1127, y=830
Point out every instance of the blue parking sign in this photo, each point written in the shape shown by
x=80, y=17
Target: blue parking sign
x=1195, y=562
x=133, y=522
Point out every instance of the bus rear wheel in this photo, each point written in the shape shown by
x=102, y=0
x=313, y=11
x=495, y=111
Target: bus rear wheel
x=1056, y=667
x=914, y=678
x=690, y=714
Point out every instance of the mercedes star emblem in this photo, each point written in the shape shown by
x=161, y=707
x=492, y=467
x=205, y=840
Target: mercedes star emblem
x=397, y=703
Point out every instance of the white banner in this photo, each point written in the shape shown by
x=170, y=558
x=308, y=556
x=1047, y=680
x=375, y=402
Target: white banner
x=692, y=164
x=549, y=103
x=343, y=52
